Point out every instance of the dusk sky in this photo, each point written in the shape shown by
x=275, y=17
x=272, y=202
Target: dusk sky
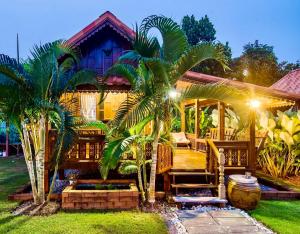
x=273, y=22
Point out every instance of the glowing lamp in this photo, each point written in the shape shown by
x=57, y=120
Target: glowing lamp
x=254, y=103
x=173, y=94
x=245, y=72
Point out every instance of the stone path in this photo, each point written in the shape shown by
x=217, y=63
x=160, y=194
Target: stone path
x=219, y=221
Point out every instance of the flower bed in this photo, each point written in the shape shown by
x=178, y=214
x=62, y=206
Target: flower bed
x=128, y=198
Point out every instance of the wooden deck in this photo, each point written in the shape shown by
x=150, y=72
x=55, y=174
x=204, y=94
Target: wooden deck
x=188, y=159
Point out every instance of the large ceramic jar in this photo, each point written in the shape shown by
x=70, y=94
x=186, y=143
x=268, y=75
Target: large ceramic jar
x=243, y=191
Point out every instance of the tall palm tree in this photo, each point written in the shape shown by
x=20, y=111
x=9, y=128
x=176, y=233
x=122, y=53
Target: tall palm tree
x=29, y=95
x=153, y=70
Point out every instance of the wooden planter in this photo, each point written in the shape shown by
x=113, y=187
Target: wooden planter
x=101, y=199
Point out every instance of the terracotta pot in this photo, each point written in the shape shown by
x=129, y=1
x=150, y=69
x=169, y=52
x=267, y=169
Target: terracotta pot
x=243, y=192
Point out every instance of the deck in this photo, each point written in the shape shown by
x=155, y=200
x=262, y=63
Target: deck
x=189, y=159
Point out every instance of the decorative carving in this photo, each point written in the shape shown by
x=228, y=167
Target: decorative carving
x=221, y=187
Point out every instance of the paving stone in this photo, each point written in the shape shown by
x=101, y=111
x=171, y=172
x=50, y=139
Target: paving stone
x=196, y=222
x=233, y=221
x=241, y=229
x=213, y=229
x=192, y=214
x=225, y=214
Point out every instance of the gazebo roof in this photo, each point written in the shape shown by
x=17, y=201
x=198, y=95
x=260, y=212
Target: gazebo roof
x=278, y=98
x=289, y=83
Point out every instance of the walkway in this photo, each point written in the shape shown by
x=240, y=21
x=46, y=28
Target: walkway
x=219, y=221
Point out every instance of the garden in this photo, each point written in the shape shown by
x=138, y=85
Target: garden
x=138, y=147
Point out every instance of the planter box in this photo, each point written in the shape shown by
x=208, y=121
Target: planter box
x=101, y=199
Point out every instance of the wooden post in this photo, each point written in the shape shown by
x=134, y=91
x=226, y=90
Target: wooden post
x=167, y=183
x=221, y=118
x=221, y=186
x=197, y=119
x=252, y=149
x=182, y=116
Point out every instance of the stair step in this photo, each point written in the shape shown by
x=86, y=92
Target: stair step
x=186, y=170
x=193, y=186
x=199, y=200
x=191, y=173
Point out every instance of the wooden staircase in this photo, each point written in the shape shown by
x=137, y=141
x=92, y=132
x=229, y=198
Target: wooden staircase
x=207, y=180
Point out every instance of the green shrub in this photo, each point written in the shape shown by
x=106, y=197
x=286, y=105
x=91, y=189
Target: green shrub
x=281, y=155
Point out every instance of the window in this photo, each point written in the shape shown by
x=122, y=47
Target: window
x=88, y=105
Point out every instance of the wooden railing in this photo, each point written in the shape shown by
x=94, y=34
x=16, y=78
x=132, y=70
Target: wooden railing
x=87, y=148
x=217, y=166
x=236, y=153
x=164, y=158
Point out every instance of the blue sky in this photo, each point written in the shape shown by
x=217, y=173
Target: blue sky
x=275, y=22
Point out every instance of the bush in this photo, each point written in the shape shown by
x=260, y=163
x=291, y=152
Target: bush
x=281, y=155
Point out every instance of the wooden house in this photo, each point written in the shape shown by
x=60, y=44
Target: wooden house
x=101, y=43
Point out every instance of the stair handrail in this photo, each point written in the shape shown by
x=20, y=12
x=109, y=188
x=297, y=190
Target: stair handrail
x=220, y=158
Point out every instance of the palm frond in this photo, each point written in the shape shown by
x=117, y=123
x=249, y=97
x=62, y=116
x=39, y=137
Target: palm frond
x=174, y=39
x=195, y=55
x=124, y=70
x=146, y=46
x=112, y=153
x=133, y=110
x=128, y=167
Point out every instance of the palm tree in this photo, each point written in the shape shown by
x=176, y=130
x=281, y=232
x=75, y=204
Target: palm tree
x=29, y=95
x=153, y=70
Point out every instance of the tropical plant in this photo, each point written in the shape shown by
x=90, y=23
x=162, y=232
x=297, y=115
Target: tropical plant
x=138, y=164
x=30, y=95
x=153, y=70
x=206, y=122
x=281, y=154
x=190, y=119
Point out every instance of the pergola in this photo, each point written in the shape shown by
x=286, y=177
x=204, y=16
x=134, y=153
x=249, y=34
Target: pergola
x=263, y=97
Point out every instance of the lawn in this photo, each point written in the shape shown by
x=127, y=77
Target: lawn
x=281, y=216
x=13, y=174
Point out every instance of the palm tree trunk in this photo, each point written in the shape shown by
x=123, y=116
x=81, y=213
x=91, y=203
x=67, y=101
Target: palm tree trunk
x=24, y=136
x=141, y=182
x=40, y=158
x=151, y=190
x=56, y=167
x=144, y=172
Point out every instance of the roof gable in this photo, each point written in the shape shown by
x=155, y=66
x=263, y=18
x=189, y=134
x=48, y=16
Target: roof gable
x=289, y=83
x=106, y=19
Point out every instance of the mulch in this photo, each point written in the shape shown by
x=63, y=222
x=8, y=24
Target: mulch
x=30, y=209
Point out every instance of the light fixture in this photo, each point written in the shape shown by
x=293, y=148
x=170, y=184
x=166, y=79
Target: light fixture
x=245, y=72
x=254, y=103
x=173, y=93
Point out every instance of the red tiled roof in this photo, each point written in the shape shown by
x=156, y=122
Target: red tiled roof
x=196, y=77
x=115, y=80
x=289, y=83
x=105, y=19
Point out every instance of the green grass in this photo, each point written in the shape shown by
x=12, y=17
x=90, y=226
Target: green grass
x=281, y=216
x=13, y=174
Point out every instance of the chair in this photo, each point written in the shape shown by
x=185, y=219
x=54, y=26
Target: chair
x=179, y=138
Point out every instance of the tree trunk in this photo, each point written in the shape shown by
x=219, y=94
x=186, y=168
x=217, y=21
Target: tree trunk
x=40, y=157
x=141, y=182
x=24, y=136
x=56, y=167
x=151, y=189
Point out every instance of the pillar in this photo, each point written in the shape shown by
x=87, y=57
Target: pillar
x=252, y=148
x=182, y=117
x=197, y=118
x=221, y=120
